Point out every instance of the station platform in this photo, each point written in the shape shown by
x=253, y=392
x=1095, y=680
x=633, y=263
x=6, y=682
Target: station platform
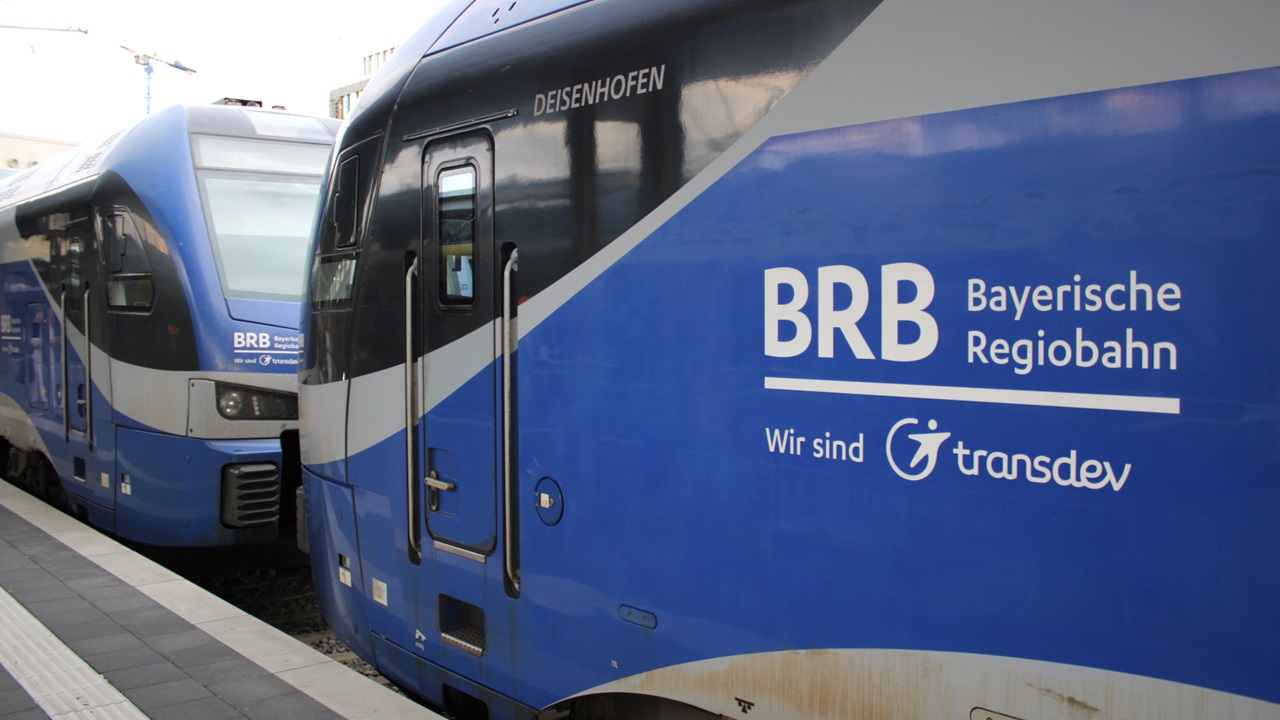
x=90, y=629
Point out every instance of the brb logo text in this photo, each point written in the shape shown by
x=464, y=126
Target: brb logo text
x=787, y=291
x=251, y=340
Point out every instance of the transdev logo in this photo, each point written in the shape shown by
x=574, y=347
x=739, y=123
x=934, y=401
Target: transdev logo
x=928, y=446
x=1066, y=469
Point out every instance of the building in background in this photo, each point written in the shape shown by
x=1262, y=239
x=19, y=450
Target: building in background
x=341, y=99
x=19, y=152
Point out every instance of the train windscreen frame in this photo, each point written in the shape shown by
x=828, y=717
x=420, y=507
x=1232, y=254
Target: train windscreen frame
x=259, y=199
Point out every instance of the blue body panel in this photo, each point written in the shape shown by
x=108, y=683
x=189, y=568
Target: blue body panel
x=1086, y=475
x=175, y=486
x=463, y=453
x=331, y=536
x=1166, y=182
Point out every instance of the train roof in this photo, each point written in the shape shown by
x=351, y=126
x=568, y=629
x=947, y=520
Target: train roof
x=85, y=162
x=458, y=23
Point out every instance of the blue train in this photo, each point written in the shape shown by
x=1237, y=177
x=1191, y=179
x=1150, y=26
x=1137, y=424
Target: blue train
x=807, y=359
x=148, y=332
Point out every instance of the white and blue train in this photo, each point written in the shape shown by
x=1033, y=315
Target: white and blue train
x=807, y=359
x=148, y=332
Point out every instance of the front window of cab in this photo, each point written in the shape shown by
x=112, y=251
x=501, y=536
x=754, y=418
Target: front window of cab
x=260, y=199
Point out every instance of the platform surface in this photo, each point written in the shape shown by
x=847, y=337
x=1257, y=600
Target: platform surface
x=90, y=629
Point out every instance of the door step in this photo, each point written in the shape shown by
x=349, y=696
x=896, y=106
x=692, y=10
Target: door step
x=462, y=625
x=470, y=639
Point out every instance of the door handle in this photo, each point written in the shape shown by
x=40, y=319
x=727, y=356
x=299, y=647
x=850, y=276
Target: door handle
x=438, y=484
x=434, y=486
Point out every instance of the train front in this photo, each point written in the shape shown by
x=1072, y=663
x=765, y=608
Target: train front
x=215, y=461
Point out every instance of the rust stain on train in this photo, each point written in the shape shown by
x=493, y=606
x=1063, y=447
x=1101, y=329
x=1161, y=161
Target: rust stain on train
x=792, y=684
x=1068, y=700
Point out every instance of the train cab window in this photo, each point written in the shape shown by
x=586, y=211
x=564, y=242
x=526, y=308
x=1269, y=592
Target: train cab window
x=331, y=281
x=345, y=195
x=113, y=242
x=260, y=201
x=130, y=293
x=456, y=203
x=124, y=258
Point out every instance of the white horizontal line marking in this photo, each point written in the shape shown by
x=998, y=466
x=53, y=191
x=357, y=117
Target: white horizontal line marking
x=998, y=396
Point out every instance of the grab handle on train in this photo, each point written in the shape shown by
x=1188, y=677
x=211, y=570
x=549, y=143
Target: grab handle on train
x=66, y=374
x=88, y=372
x=509, y=344
x=410, y=413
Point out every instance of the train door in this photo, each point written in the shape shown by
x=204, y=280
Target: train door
x=459, y=431
x=72, y=298
x=460, y=457
x=77, y=297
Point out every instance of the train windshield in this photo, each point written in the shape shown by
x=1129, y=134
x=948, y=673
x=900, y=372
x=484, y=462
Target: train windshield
x=260, y=200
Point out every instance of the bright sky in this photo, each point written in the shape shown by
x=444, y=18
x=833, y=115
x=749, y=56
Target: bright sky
x=79, y=88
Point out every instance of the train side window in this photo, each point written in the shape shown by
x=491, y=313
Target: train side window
x=126, y=292
x=332, y=278
x=112, y=246
x=345, y=205
x=72, y=254
x=456, y=203
x=129, y=285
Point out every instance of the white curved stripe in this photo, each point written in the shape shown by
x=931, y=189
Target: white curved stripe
x=322, y=410
x=159, y=398
x=377, y=399
x=11, y=246
x=910, y=685
x=17, y=428
x=376, y=413
x=919, y=57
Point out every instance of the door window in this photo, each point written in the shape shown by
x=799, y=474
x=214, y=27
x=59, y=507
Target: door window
x=456, y=198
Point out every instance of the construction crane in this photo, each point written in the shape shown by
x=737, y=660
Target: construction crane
x=145, y=60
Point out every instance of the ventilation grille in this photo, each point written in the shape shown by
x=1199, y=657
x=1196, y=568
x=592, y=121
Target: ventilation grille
x=93, y=158
x=89, y=161
x=15, y=184
x=250, y=495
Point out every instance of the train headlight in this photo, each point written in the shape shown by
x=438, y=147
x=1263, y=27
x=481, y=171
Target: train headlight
x=237, y=402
